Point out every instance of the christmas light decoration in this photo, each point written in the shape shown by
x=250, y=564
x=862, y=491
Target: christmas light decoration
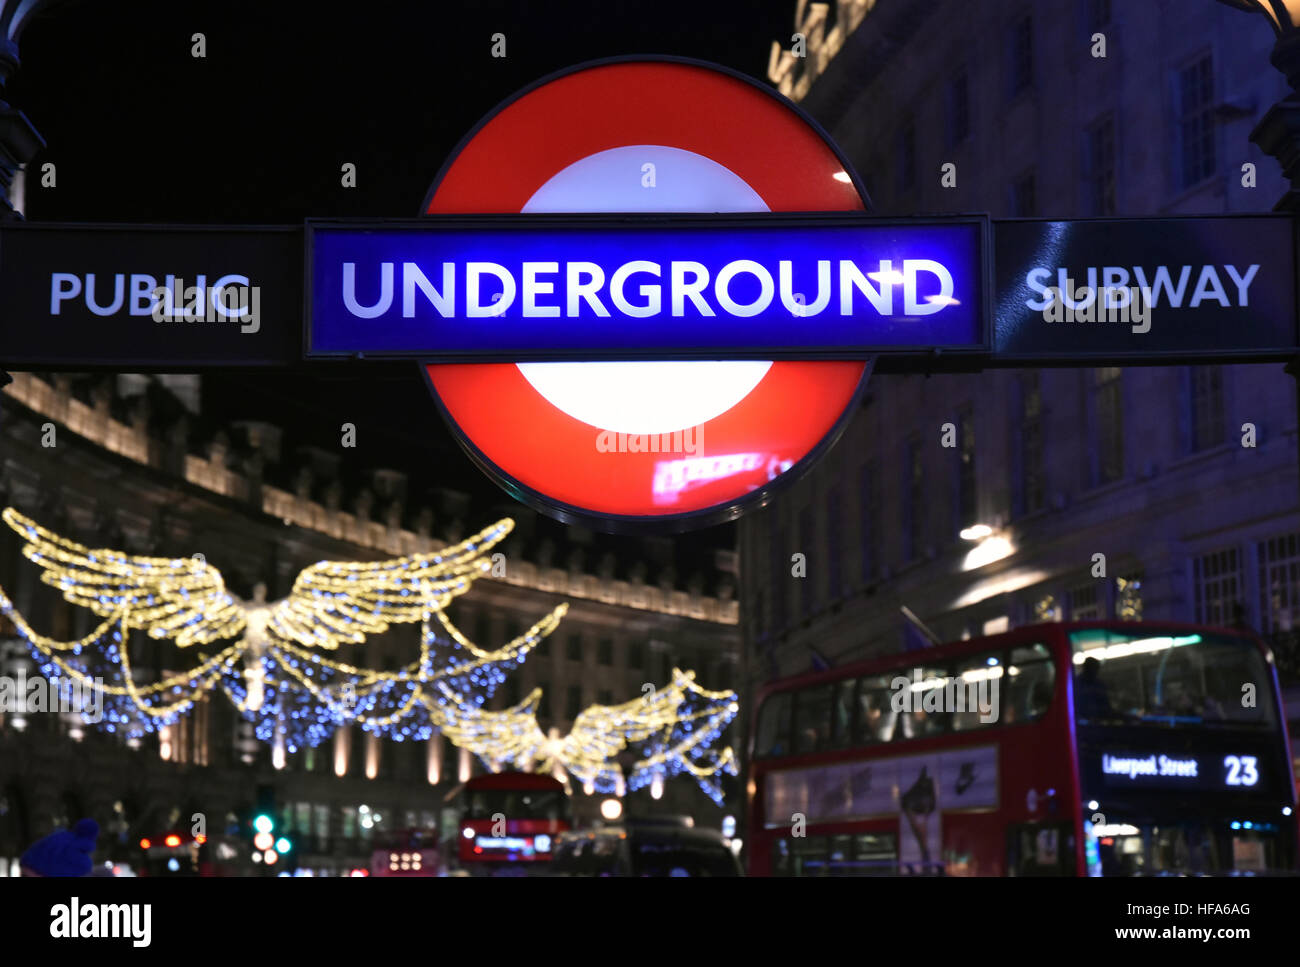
x=277, y=677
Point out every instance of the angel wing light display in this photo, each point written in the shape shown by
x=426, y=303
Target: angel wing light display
x=274, y=661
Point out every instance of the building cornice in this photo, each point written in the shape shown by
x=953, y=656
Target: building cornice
x=97, y=425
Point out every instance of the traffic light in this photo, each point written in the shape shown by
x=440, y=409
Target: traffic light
x=262, y=826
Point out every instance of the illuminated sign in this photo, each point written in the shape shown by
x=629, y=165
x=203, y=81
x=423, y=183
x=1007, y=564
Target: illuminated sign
x=631, y=441
x=1227, y=772
x=516, y=289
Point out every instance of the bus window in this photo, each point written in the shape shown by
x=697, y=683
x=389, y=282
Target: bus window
x=1031, y=676
x=875, y=854
x=840, y=863
x=977, y=687
x=1168, y=678
x=799, y=856
x=812, y=719
x=1040, y=849
x=842, y=712
x=773, y=735
x=864, y=854
x=927, y=710
x=874, y=715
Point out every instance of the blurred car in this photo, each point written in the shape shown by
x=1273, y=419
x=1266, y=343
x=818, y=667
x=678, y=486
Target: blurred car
x=644, y=848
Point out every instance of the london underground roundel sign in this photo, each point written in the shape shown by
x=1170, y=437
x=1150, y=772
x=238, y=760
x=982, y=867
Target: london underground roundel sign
x=624, y=444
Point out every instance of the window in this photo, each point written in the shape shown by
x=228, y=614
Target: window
x=1028, y=685
x=1207, y=407
x=1031, y=443
x=834, y=544
x=1279, y=583
x=773, y=734
x=958, y=110
x=906, y=174
x=967, y=499
x=923, y=710
x=812, y=719
x=868, y=520
x=604, y=697
x=1167, y=679
x=875, y=715
x=1085, y=603
x=976, y=683
x=1040, y=849
x=1128, y=596
x=1195, y=90
x=1099, y=167
x=800, y=856
x=605, y=651
x=635, y=657
x=1020, y=73
x=573, y=704
x=842, y=706
x=1110, y=425
x=573, y=650
x=1217, y=581
x=543, y=706
x=913, y=487
x=863, y=854
x=1024, y=196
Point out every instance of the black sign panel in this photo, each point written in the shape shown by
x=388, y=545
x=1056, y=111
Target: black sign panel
x=150, y=296
x=1145, y=290
x=1064, y=292
x=1236, y=771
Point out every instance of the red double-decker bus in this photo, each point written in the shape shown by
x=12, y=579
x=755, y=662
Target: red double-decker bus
x=1100, y=748
x=509, y=822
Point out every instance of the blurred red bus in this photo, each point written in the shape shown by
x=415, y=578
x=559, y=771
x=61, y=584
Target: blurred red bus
x=408, y=852
x=509, y=822
x=1106, y=748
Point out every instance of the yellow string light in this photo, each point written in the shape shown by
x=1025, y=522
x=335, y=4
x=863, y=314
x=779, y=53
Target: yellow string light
x=336, y=603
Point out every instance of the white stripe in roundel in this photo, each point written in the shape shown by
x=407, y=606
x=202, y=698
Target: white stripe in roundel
x=645, y=397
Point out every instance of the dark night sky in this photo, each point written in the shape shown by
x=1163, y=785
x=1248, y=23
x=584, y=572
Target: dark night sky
x=256, y=132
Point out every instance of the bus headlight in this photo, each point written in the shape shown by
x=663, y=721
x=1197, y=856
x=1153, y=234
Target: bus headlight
x=467, y=833
x=542, y=843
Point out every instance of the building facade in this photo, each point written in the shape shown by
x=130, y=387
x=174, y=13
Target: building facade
x=1153, y=492
x=113, y=462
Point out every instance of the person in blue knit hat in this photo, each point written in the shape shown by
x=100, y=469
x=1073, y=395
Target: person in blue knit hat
x=62, y=853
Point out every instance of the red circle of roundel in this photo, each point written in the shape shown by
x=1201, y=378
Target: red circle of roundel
x=549, y=458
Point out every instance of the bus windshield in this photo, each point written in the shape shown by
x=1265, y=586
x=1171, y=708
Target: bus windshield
x=518, y=804
x=1170, y=678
